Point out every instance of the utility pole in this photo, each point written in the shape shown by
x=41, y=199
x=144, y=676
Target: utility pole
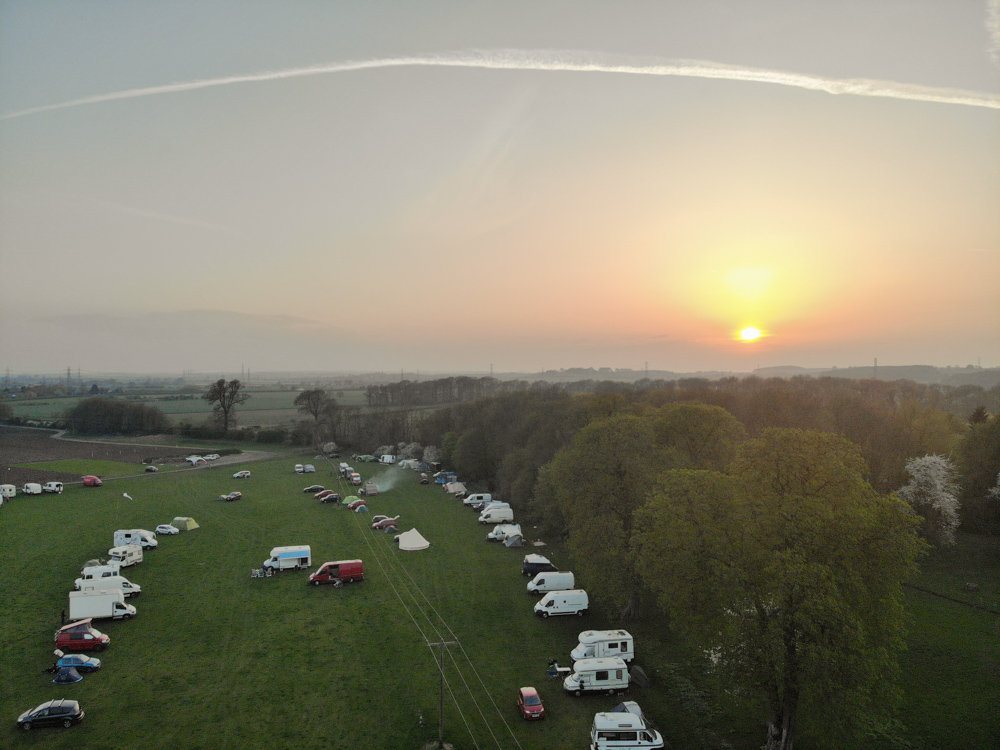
x=441, y=646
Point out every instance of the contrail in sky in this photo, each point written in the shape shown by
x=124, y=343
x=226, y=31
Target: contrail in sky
x=571, y=62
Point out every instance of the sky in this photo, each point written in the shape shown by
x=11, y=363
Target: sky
x=460, y=186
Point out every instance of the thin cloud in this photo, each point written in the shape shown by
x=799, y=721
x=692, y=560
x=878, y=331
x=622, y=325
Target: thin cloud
x=563, y=61
x=165, y=217
x=993, y=27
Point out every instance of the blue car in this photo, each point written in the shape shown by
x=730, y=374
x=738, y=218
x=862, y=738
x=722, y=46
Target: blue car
x=80, y=662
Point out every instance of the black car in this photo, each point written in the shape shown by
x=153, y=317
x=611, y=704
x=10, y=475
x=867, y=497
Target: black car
x=314, y=488
x=59, y=712
x=331, y=498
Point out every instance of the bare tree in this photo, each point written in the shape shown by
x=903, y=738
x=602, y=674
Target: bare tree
x=225, y=395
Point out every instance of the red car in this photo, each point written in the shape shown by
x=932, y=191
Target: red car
x=79, y=636
x=338, y=573
x=356, y=504
x=92, y=481
x=530, y=703
x=385, y=523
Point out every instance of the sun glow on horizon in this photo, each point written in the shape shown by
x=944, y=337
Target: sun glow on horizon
x=750, y=334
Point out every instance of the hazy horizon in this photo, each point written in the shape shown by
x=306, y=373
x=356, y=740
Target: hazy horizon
x=524, y=186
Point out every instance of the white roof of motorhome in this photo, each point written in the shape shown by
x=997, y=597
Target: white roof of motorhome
x=453, y=487
x=611, y=721
x=592, y=665
x=592, y=636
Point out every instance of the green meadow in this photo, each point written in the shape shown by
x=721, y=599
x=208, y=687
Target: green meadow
x=216, y=659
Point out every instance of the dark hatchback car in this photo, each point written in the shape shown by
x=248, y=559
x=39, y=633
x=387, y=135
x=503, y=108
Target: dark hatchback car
x=57, y=713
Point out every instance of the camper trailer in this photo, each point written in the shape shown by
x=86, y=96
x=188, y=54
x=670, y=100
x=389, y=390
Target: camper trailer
x=597, y=676
x=7, y=491
x=53, y=487
x=496, y=515
x=624, y=728
x=94, y=604
x=342, y=571
x=572, y=602
x=102, y=582
x=142, y=537
x=387, y=459
x=125, y=555
x=502, y=531
x=596, y=644
x=551, y=581
x=290, y=558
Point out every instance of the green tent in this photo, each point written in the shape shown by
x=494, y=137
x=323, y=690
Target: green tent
x=349, y=499
x=184, y=524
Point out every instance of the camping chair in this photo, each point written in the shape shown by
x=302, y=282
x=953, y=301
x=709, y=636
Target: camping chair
x=555, y=672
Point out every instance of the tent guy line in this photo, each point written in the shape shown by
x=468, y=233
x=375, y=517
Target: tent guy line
x=568, y=61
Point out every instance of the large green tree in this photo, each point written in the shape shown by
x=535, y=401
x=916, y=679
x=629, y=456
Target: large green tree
x=598, y=483
x=225, y=395
x=788, y=571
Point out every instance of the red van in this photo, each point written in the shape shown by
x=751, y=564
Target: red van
x=338, y=572
x=80, y=636
x=92, y=481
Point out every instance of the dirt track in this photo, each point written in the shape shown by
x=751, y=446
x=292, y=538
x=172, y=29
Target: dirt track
x=21, y=445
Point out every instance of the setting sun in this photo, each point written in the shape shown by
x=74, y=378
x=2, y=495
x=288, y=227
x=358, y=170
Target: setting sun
x=750, y=334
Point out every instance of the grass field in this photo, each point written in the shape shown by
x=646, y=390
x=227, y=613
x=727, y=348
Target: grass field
x=217, y=660
x=87, y=466
x=265, y=408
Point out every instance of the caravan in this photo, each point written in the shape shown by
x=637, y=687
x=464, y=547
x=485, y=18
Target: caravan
x=597, y=676
x=604, y=643
x=624, y=728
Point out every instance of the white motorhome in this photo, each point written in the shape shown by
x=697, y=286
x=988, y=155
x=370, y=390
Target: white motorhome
x=95, y=604
x=572, y=602
x=502, y=531
x=54, y=487
x=142, y=537
x=477, y=497
x=496, y=515
x=595, y=644
x=7, y=491
x=290, y=558
x=125, y=555
x=31, y=488
x=552, y=581
x=597, y=676
x=387, y=459
x=624, y=728
x=110, y=584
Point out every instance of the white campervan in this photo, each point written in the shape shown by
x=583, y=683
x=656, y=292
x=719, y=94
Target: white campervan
x=551, y=581
x=597, y=676
x=573, y=602
x=290, y=558
x=478, y=497
x=604, y=643
x=125, y=555
x=53, y=487
x=31, y=488
x=496, y=515
x=624, y=728
x=109, y=583
x=142, y=537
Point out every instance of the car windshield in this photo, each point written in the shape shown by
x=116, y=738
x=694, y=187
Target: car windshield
x=532, y=700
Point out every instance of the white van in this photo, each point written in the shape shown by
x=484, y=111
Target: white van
x=503, y=531
x=125, y=555
x=54, y=487
x=478, y=497
x=624, y=728
x=572, y=602
x=552, y=581
x=597, y=676
x=596, y=644
x=496, y=515
x=290, y=558
x=7, y=491
x=142, y=537
x=31, y=488
x=109, y=583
